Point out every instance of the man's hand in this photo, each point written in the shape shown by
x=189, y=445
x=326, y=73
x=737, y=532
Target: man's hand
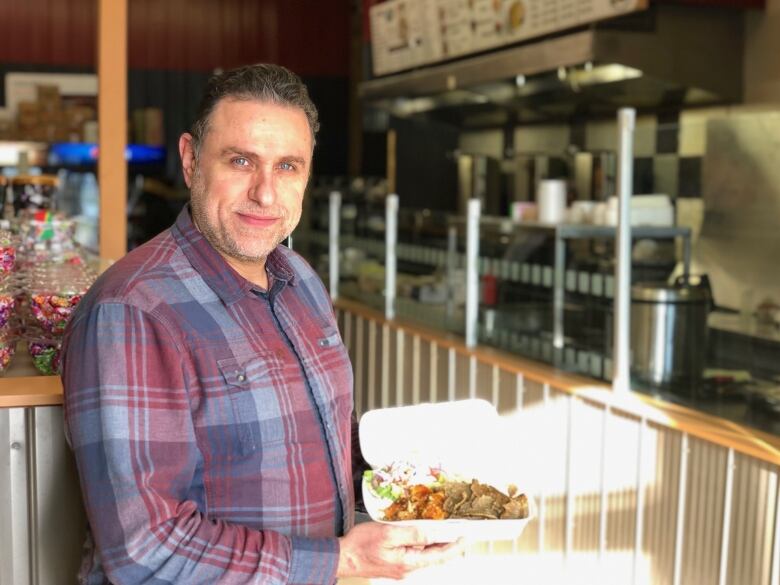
x=373, y=550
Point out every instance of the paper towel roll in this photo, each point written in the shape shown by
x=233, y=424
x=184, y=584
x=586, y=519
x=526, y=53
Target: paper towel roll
x=551, y=198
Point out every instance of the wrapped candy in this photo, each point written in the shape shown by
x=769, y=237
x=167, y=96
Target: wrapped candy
x=8, y=245
x=55, y=291
x=45, y=354
x=7, y=350
x=7, y=304
x=53, y=310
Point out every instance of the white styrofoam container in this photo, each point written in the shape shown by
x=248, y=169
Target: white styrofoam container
x=465, y=438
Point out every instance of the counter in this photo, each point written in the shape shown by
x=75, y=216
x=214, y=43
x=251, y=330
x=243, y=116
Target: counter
x=23, y=386
x=625, y=485
x=722, y=432
x=576, y=430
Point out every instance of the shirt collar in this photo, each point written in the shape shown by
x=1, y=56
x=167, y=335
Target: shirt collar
x=222, y=278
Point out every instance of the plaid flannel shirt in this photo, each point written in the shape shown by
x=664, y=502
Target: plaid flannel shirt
x=210, y=420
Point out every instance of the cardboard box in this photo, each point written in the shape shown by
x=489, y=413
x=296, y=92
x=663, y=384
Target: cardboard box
x=7, y=129
x=75, y=116
x=49, y=97
x=136, y=130
x=154, y=129
x=27, y=107
x=51, y=117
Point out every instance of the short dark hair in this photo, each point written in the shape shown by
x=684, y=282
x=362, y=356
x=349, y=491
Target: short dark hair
x=264, y=82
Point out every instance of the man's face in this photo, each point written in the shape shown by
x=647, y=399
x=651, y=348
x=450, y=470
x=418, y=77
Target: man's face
x=248, y=181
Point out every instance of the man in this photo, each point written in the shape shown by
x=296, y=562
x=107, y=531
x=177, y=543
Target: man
x=208, y=395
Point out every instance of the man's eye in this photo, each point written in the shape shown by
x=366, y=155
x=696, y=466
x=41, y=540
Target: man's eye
x=240, y=161
x=285, y=166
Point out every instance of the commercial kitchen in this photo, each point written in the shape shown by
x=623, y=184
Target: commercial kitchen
x=567, y=210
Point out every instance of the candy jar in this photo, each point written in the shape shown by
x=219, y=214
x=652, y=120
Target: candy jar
x=55, y=291
x=45, y=353
x=7, y=349
x=8, y=295
x=8, y=246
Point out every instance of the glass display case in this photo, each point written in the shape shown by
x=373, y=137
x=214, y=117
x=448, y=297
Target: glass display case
x=544, y=292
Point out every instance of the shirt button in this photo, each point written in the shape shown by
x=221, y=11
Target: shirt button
x=241, y=378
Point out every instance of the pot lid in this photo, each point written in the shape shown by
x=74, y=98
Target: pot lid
x=660, y=292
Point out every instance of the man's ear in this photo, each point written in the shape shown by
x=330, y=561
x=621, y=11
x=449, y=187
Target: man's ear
x=187, y=154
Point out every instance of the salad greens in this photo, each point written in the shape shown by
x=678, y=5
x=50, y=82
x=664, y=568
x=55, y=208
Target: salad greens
x=391, y=481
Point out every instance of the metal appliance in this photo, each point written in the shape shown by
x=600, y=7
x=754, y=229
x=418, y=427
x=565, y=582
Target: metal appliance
x=631, y=61
x=669, y=334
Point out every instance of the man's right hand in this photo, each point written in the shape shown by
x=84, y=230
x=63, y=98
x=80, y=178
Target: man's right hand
x=372, y=550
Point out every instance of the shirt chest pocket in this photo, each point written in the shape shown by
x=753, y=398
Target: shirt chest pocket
x=251, y=408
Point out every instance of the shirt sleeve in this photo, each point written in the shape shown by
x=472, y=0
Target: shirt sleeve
x=128, y=421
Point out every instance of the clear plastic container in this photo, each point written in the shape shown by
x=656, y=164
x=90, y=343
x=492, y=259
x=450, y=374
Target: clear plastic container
x=9, y=244
x=45, y=353
x=7, y=350
x=45, y=236
x=8, y=295
x=54, y=292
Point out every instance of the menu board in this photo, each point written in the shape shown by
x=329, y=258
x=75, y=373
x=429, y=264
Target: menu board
x=410, y=33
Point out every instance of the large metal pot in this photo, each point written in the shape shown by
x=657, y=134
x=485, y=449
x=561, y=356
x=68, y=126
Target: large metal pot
x=669, y=334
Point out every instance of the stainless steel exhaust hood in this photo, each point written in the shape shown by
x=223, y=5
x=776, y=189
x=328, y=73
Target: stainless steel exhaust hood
x=667, y=56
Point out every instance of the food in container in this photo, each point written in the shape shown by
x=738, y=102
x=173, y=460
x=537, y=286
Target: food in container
x=55, y=291
x=45, y=355
x=33, y=192
x=54, y=309
x=8, y=246
x=7, y=303
x=439, y=467
x=393, y=480
x=427, y=493
x=7, y=350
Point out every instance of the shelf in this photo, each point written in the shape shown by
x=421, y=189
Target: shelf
x=22, y=386
x=576, y=230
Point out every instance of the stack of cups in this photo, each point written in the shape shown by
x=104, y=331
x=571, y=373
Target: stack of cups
x=551, y=198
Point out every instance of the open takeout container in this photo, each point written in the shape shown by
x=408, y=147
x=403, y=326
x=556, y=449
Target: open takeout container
x=465, y=438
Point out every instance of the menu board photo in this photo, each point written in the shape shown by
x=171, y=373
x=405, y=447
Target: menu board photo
x=410, y=33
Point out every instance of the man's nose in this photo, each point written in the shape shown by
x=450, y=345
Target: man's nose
x=262, y=188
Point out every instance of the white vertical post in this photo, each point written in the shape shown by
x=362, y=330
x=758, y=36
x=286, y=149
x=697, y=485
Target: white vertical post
x=391, y=241
x=621, y=376
x=472, y=271
x=333, y=241
x=559, y=278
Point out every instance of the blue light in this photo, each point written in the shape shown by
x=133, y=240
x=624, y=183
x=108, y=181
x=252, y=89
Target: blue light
x=83, y=153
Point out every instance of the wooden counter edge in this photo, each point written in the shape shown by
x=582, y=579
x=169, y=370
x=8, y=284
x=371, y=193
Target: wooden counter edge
x=26, y=391
x=698, y=424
